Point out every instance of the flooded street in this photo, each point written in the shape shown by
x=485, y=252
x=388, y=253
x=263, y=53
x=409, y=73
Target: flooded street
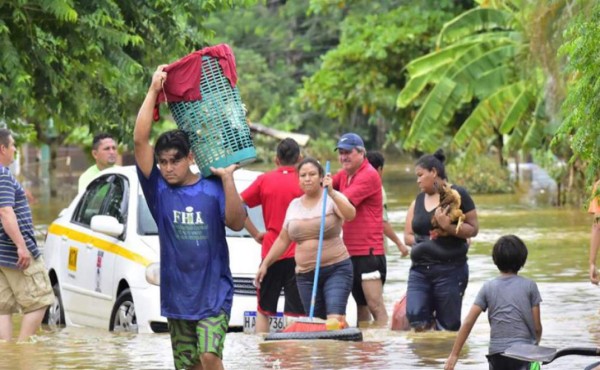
x=558, y=242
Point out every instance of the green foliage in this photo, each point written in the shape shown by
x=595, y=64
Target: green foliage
x=88, y=63
x=472, y=22
x=581, y=109
x=355, y=73
x=276, y=46
x=358, y=80
x=23, y=132
x=482, y=176
x=555, y=168
x=502, y=112
x=469, y=64
x=322, y=148
x=483, y=85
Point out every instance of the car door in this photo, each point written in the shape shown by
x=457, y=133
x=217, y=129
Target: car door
x=109, y=248
x=94, y=273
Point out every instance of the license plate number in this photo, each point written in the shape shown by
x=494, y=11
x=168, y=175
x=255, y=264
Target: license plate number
x=275, y=322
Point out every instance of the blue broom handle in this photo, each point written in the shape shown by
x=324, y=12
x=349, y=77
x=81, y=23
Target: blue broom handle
x=319, y=249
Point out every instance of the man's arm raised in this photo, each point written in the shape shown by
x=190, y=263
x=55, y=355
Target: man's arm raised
x=144, y=153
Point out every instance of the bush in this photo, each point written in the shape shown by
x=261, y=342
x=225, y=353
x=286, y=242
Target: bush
x=484, y=176
x=322, y=148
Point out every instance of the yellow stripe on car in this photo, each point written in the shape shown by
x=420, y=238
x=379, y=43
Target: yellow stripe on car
x=101, y=244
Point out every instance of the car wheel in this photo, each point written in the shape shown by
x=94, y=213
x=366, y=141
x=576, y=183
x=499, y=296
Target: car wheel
x=55, y=314
x=123, y=317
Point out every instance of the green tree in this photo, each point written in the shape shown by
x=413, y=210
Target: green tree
x=277, y=45
x=485, y=84
x=87, y=63
x=358, y=80
x=581, y=108
x=77, y=66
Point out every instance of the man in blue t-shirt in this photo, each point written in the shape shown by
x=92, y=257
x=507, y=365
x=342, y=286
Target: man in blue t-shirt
x=191, y=213
x=24, y=282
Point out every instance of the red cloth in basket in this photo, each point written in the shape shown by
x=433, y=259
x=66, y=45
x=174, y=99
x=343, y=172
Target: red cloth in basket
x=184, y=75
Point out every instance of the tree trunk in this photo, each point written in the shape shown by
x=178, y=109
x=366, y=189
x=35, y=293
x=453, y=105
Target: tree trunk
x=501, y=150
x=517, y=174
x=54, y=184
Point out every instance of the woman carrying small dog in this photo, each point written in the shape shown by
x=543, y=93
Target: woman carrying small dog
x=439, y=273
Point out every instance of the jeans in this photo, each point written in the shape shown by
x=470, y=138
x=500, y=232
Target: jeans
x=435, y=293
x=333, y=289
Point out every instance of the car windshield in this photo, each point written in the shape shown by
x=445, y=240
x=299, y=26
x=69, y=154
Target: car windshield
x=147, y=226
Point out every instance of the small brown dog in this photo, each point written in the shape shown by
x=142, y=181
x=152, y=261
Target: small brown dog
x=450, y=204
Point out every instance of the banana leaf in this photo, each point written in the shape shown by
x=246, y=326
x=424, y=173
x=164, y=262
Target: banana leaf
x=444, y=99
x=440, y=105
x=489, y=114
x=474, y=21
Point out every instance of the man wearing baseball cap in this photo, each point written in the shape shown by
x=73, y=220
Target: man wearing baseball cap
x=363, y=236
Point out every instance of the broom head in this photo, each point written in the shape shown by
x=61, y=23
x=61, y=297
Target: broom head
x=305, y=324
x=309, y=325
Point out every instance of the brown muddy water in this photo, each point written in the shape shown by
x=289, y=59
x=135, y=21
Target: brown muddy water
x=558, y=241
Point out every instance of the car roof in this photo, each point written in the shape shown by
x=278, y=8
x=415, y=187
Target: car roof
x=242, y=176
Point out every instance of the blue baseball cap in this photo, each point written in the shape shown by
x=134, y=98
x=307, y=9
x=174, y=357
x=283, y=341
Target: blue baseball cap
x=349, y=141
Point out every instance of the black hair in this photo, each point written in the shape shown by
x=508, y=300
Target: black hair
x=314, y=162
x=435, y=160
x=4, y=135
x=99, y=137
x=376, y=159
x=509, y=253
x=288, y=151
x=173, y=139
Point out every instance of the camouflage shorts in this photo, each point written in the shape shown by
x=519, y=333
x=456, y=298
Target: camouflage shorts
x=190, y=339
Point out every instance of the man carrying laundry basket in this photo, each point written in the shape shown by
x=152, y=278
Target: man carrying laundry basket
x=191, y=213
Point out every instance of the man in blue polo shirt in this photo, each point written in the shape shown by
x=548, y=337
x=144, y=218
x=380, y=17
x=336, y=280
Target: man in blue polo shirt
x=24, y=283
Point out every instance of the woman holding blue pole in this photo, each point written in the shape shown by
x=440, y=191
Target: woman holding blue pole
x=303, y=225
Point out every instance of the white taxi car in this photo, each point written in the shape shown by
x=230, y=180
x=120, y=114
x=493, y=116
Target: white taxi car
x=102, y=251
x=99, y=250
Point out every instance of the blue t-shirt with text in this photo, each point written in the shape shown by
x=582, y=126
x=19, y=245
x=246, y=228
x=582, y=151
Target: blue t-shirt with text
x=195, y=279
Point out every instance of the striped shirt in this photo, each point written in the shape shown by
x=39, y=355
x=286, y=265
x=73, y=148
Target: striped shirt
x=13, y=195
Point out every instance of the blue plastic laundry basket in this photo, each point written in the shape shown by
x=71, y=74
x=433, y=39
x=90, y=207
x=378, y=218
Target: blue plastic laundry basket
x=216, y=124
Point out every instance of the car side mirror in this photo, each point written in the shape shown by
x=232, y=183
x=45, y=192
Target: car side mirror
x=108, y=225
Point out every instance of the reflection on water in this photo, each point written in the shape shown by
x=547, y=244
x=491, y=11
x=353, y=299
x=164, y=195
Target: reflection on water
x=81, y=348
x=558, y=246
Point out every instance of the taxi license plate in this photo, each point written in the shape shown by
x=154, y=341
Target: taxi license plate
x=275, y=322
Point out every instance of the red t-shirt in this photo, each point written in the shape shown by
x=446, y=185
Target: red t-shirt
x=274, y=190
x=365, y=233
